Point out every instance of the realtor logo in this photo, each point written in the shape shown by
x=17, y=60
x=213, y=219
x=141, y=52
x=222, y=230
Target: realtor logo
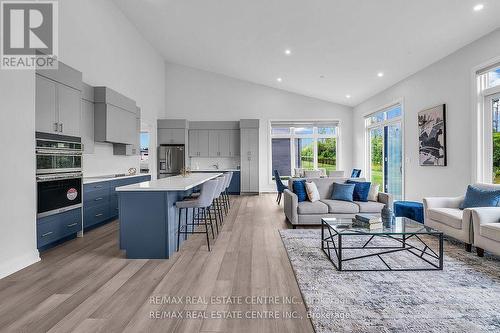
x=29, y=32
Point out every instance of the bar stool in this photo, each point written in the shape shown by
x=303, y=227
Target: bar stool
x=226, y=193
x=217, y=206
x=202, y=203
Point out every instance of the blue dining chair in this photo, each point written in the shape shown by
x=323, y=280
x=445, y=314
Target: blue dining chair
x=355, y=173
x=279, y=186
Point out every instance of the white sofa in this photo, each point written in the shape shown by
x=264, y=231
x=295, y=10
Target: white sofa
x=444, y=214
x=486, y=227
x=473, y=226
x=310, y=213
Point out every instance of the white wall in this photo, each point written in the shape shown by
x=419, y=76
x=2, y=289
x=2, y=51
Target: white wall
x=447, y=81
x=97, y=39
x=17, y=171
x=200, y=95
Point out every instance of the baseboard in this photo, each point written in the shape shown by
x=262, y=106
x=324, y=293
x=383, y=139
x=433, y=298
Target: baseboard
x=16, y=264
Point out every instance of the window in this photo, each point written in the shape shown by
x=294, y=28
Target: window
x=488, y=84
x=144, y=164
x=385, y=150
x=299, y=145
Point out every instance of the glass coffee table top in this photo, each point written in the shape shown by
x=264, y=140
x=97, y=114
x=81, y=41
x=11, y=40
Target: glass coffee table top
x=399, y=226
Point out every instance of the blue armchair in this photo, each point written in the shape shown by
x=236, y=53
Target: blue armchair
x=279, y=186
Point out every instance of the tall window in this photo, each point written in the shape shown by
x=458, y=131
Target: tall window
x=489, y=91
x=301, y=145
x=385, y=150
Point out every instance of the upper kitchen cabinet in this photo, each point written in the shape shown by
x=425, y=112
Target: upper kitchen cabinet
x=115, y=117
x=87, y=125
x=234, y=143
x=58, y=101
x=172, y=131
x=198, y=143
x=219, y=142
x=135, y=148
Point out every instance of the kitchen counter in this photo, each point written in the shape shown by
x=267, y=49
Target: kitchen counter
x=106, y=178
x=175, y=183
x=149, y=217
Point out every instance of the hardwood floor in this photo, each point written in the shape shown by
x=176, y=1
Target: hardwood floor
x=86, y=285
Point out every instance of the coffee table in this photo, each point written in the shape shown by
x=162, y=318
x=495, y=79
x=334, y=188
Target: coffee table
x=335, y=232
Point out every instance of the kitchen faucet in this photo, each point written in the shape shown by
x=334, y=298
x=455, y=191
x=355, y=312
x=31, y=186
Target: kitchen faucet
x=216, y=165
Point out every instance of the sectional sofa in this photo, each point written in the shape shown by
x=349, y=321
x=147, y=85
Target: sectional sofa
x=310, y=213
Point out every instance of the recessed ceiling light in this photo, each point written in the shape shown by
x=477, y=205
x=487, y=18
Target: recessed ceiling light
x=478, y=7
x=279, y=79
x=380, y=74
x=347, y=96
x=288, y=51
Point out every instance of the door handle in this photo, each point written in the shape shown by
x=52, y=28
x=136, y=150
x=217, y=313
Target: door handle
x=47, y=234
x=72, y=224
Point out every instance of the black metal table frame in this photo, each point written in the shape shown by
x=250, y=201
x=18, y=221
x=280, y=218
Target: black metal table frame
x=329, y=240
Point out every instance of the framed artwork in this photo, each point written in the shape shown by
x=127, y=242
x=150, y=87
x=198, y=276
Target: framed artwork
x=432, y=136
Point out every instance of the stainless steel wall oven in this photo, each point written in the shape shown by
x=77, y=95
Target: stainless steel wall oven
x=58, y=174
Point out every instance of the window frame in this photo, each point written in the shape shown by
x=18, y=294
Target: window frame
x=386, y=122
x=292, y=136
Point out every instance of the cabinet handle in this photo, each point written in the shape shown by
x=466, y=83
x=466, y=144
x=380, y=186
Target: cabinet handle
x=98, y=186
x=72, y=224
x=97, y=199
x=56, y=127
x=47, y=234
x=61, y=127
x=100, y=214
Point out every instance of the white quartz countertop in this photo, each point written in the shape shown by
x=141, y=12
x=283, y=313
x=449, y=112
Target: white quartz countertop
x=215, y=170
x=175, y=183
x=96, y=179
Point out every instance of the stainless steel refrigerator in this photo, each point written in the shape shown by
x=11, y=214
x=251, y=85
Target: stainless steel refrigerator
x=170, y=160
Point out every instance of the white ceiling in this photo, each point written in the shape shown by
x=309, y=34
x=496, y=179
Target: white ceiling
x=346, y=41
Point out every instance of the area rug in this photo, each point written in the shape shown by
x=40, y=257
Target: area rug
x=463, y=297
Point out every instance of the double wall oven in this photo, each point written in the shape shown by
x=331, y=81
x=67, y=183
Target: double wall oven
x=58, y=174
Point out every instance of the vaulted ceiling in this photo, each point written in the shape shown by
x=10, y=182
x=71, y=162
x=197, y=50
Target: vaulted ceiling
x=337, y=47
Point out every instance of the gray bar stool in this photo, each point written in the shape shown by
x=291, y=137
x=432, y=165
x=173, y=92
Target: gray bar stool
x=226, y=193
x=202, y=203
x=218, y=209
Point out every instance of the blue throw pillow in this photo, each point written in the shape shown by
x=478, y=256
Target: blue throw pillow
x=299, y=188
x=476, y=197
x=343, y=192
x=361, y=190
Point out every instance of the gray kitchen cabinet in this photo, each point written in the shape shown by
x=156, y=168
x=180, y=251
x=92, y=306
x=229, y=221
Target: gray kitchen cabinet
x=58, y=101
x=198, y=142
x=131, y=149
x=69, y=110
x=115, y=117
x=219, y=143
x=113, y=124
x=234, y=143
x=45, y=105
x=167, y=136
x=57, y=107
x=249, y=160
x=87, y=125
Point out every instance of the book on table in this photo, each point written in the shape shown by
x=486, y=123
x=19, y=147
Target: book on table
x=368, y=218
x=370, y=226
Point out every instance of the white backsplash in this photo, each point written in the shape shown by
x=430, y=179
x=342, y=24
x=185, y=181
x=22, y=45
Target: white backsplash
x=196, y=163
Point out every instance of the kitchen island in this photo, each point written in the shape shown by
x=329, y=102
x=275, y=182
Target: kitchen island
x=148, y=216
